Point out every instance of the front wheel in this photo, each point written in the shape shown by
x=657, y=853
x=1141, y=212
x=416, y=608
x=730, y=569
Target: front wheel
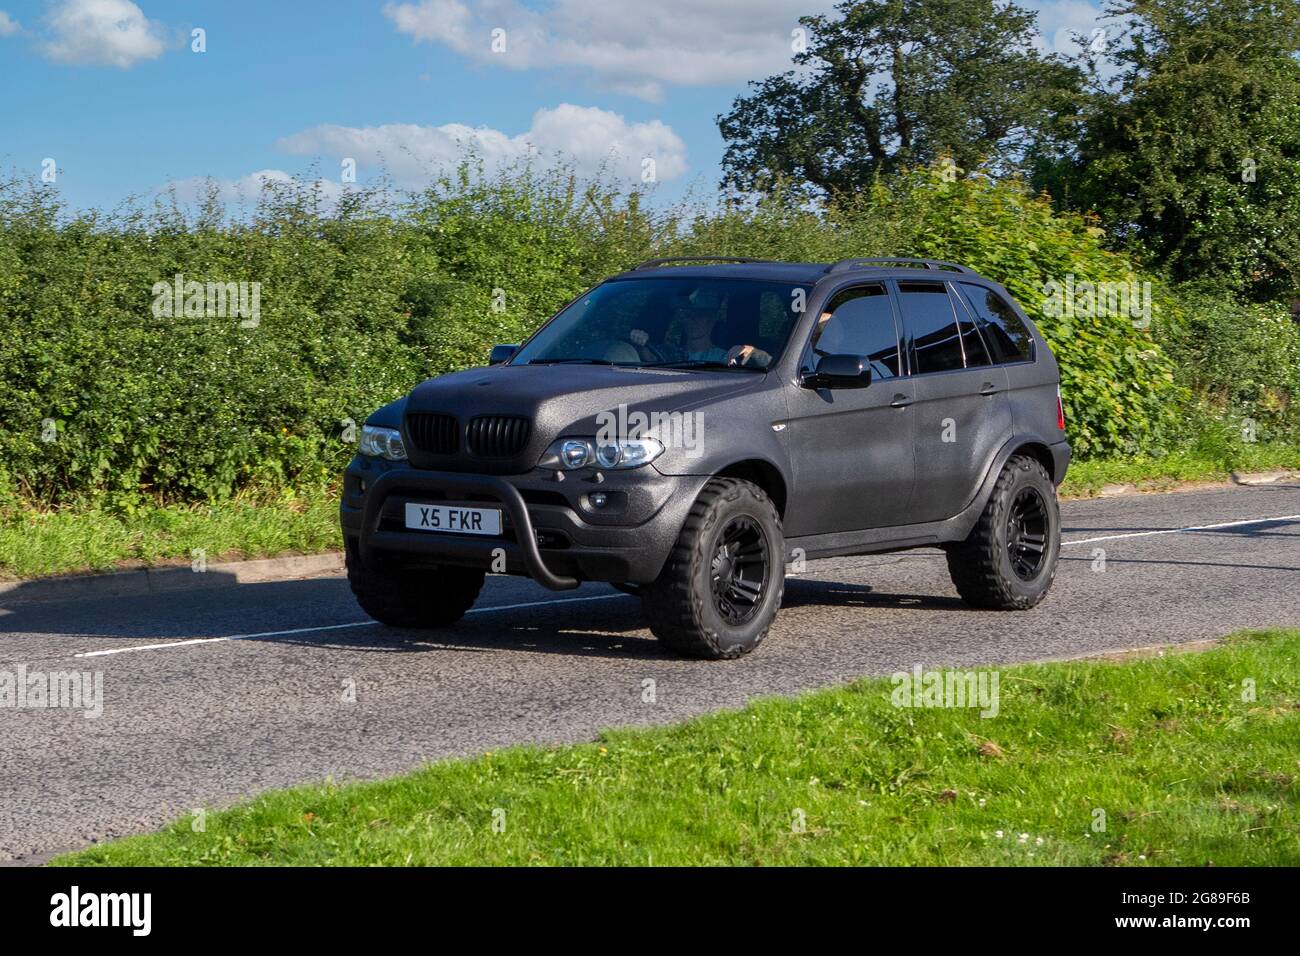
x=1008, y=561
x=412, y=597
x=721, y=585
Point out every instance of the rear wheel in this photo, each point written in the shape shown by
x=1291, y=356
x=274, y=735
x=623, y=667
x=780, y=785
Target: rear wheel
x=1008, y=561
x=721, y=586
x=412, y=597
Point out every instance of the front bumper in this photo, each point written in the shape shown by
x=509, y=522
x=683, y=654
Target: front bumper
x=551, y=531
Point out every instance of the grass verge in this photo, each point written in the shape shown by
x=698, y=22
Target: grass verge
x=1164, y=753
x=36, y=544
x=1086, y=478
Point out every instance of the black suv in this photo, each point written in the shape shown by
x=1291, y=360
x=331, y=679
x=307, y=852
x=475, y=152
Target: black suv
x=686, y=430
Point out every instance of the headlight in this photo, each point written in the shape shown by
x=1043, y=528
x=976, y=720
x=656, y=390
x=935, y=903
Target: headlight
x=381, y=443
x=569, y=454
x=575, y=454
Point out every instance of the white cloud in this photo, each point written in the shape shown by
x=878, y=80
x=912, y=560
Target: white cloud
x=591, y=139
x=1059, y=20
x=101, y=33
x=446, y=21
x=635, y=48
x=8, y=25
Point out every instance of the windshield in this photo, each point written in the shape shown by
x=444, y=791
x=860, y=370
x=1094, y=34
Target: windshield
x=672, y=322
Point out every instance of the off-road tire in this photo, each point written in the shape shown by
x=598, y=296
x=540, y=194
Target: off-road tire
x=680, y=604
x=982, y=567
x=412, y=597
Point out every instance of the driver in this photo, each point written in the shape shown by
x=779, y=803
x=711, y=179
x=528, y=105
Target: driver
x=699, y=342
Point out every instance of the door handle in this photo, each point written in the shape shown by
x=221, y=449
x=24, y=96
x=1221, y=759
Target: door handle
x=988, y=388
x=901, y=401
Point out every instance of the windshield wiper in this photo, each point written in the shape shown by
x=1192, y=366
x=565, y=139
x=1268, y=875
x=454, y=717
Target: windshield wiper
x=702, y=363
x=570, y=361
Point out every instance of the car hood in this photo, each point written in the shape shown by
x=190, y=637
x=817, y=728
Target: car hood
x=558, y=400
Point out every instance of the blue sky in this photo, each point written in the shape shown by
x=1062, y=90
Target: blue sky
x=112, y=91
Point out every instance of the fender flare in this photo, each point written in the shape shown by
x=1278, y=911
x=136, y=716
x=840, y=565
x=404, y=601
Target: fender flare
x=999, y=461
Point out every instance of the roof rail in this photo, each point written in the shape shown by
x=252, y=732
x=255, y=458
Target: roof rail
x=938, y=264
x=654, y=263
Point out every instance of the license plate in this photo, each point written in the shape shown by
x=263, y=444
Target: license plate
x=456, y=520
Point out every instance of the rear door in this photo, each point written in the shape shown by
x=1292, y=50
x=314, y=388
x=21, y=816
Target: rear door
x=1032, y=376
x=961, y=413
x=851, y=448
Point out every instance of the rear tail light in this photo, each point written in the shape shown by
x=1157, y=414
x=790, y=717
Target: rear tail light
x=1060, y=410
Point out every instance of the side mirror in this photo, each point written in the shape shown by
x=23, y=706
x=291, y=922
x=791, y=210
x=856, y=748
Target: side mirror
x=500, y=353
x=840, y=371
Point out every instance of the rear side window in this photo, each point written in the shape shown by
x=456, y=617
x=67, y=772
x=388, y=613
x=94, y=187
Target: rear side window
x=971, y=342
x=1005, y=333
x=860, y=321
x=932, y=324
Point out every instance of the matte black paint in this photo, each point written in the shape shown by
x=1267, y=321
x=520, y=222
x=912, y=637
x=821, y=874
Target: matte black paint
x=861, y=470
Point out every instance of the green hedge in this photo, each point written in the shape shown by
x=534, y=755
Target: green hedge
x=362, y=300
x=1242, y=362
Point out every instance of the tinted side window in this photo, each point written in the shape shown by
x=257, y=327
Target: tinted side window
x=1002, y=328
x=971, y=342
x=860, y=322
x=932, y=324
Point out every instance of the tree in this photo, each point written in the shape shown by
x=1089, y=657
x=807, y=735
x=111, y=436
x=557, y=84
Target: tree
x=893, y=83
x=1193, y=159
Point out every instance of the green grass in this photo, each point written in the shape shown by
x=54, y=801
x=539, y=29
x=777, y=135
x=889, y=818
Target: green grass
x=41, y=543
x=1198, y=464
x=1186, y=771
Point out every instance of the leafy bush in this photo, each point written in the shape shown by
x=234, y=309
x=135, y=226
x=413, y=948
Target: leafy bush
x=101, y=398
x=362, y=300
x=190, y=407
x=1240, y=360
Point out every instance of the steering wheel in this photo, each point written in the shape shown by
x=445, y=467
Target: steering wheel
x=655, y=354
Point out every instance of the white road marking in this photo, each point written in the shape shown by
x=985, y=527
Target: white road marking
x=514, y=607
x=216, y=640
x=325, y=627
x=607, y=597
x=1197, y=527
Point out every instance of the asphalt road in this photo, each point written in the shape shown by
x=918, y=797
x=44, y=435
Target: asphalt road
x=214, y=695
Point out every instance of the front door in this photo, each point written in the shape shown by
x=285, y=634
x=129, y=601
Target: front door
x=851, y=448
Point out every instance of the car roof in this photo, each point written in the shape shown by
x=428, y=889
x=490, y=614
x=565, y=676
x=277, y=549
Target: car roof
x=799, y=272
x=779, y=271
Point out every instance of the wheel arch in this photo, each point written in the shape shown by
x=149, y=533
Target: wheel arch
x=1028, y=444
x=763, y=473
x=1038, y=450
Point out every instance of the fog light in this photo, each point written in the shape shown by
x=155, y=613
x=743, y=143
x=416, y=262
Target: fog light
x=597, y=499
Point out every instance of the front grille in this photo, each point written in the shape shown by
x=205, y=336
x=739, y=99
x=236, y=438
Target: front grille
x=497, y=436
x=433, y=433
